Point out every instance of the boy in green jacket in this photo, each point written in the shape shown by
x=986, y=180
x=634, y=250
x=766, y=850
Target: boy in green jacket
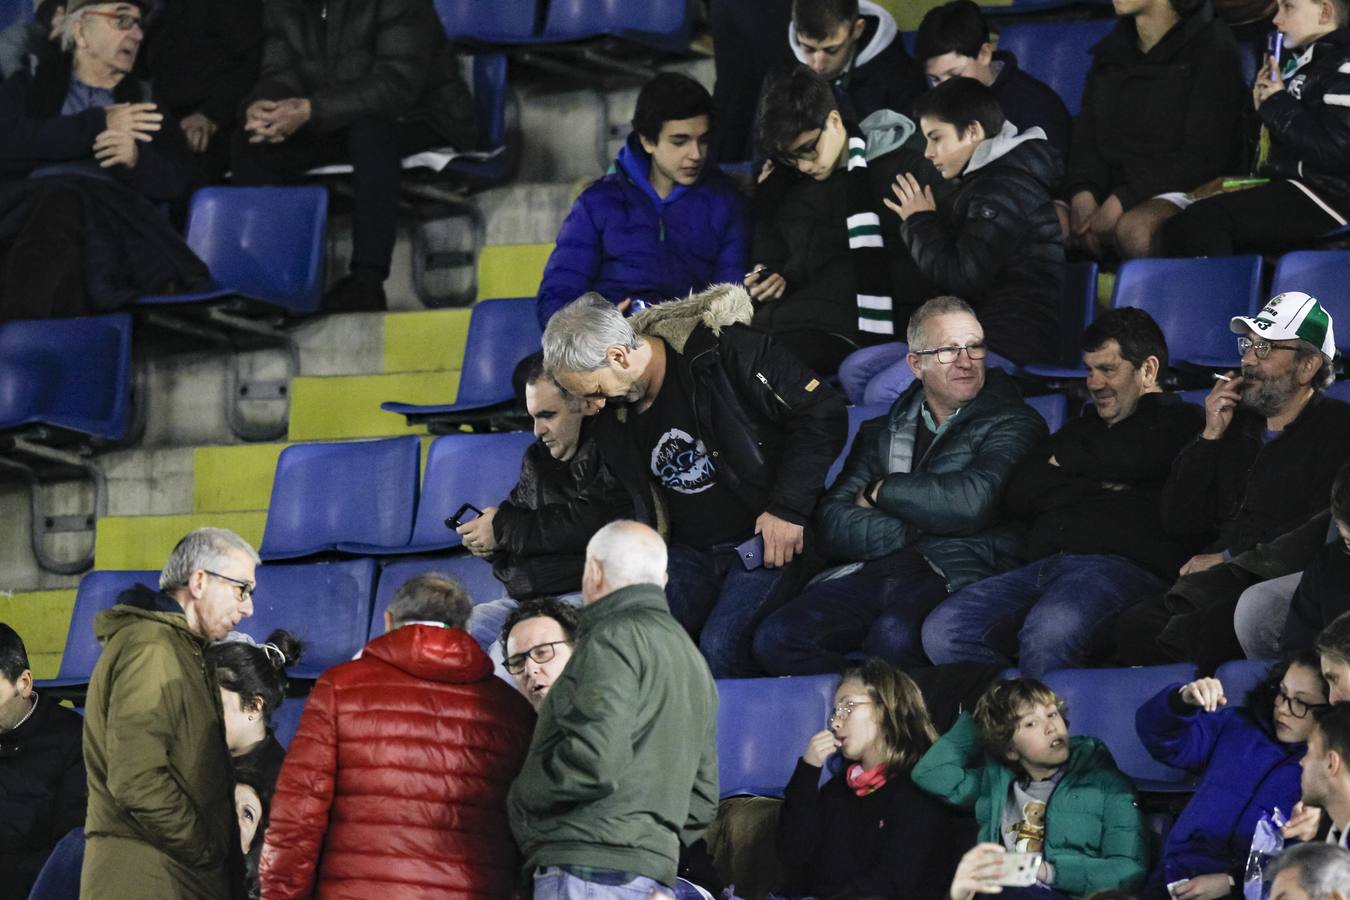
x=1034, y=789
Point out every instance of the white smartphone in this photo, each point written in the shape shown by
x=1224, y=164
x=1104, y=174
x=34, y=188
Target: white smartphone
x=1019, y=869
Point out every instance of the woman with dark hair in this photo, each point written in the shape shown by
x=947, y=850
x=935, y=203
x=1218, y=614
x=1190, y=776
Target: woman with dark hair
x=1248, y=762
x=252, y=803
x=252, y=682
x=868, y=831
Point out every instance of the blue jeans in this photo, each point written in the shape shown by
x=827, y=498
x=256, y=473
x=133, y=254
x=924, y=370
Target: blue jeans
x=718, y=602
x=1045, y=615
x=877, y=610
x=555, y=883
x=861, y=366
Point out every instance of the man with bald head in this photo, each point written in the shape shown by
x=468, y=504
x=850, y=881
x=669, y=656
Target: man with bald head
x=622, y=771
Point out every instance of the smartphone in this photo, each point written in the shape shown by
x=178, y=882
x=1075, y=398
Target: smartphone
x=1019, y=869
x=752, y=553
x=1274, y=46
x=462, y=515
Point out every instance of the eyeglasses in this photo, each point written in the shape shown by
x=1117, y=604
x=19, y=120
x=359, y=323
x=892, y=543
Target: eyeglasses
x=243, y=589
x=844, y=710
x=948, y=355
x=122, y=21
x=1297, y=708
x=790, y=158
x=1261, y=348
x=540, y=653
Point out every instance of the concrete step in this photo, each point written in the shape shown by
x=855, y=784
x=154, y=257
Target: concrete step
x=42, y=619
x=511, y=270
x=144, y=542
x=348, y=406
x=431, y=340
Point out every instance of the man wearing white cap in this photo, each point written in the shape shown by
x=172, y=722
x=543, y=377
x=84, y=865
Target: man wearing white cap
x=1263, y=465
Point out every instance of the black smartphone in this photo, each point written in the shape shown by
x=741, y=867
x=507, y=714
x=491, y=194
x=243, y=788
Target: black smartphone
x=462, y=515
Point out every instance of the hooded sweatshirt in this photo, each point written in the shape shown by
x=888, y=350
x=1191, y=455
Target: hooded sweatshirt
x=881, y=75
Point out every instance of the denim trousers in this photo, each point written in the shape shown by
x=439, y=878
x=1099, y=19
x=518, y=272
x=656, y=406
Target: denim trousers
x=555, y=883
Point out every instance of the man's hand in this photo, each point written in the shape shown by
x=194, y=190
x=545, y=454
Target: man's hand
x=1268, y=82
x=140, y=120
x=1206, y=693
x=1200, y=562
x=912, y=198
x=977, y=872
x=198, y=130
x=1204, y=887
x=1082, y=207
x=272, y=121
x=1303, y=822
x=1220, y=403
x=116, y=148
x=782, y=539
x=770, y=288
x=819, y=748
x=764, y=172
x=478, y=536
x=1102, y=225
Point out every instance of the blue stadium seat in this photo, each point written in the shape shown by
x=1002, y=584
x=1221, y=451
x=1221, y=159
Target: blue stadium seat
x=357, y=497
x=1339, y=390
x=286, y=719
x=98, y=591
x=474, y=573
x=1054, y=408
x=856, y=416
x=60, y=875
x=501, y=334
x=262, y=244
x=763, y=725
x=1077, y=309
x=326, y=605
x=1196, y=396
x=1055, y=52
x=1239, y=676
x=500, y=21
x=1321, y=273
x=1102, y=703
x=14, y=11
x=71, y=374
x=464, y=468
x=662, y=24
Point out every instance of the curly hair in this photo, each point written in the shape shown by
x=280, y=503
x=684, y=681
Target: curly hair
x=1001, y=708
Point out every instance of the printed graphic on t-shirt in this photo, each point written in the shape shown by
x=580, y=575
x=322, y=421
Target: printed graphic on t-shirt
x=682, y=464
x=1029, y=833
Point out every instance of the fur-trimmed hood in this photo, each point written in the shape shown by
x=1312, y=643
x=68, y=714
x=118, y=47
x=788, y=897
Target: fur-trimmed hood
x=716, y=307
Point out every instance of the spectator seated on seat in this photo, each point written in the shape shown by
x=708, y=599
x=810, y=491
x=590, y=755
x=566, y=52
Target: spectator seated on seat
x=86, y=236
x=825, y=281
x=1333, y=649
x=1033, y=788
x=914, y=515
x=1161, y=112
x=42, y=780
x=855, y=46
x=252, y=805
x=868, y=831
x=537, y=641
x=1311, y=872
x=1303, y=155
x=367, y=83
x=252, y=681
x=954, y=42
x=1247, y=757
x=664, y=222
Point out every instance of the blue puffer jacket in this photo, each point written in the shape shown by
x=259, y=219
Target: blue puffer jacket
x=622, y=240
x=1244, y=774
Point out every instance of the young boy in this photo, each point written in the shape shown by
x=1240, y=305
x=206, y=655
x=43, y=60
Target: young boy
x=856, y=47
x=1034, y=789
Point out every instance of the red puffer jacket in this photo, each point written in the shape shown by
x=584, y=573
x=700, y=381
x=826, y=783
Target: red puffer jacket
x=395, y=783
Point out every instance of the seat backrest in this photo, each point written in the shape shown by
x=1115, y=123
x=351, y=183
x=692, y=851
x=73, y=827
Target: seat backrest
x=490, y=92
x=323, y=495
x=1057, y=53
x=1192, y=300
x=501, y=334
x=763, y=725
x=856, y=416
x=465, y=468
x=1322, y=274
x=474, y=573
x=1053, y=409
x=60, y=875
x=286, y=719
x=1102, y=703
x=652, y=19
x=263, y=242
x=326, y=605
x=499, y=21
x=1239, y=676
x=1077, y=309
x=98, y=591
x=1195, y=395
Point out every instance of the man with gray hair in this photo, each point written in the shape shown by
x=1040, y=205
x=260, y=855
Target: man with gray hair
x=914, y=515
x=735, y=432
x=622, y=771
x=1311, y=872
x=160, y=820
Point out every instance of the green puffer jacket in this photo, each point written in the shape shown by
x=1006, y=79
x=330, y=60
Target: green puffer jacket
x=947, y=504
x=1093, y=834
x=622, y=770
x=160, y=822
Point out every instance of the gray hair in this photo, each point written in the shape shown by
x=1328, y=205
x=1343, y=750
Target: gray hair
x=579, y=335
x=938, y=306
x=431, y=597
x=69, y=24
x=205, y=548
x=1322, y=868
x=631, y=553
x=1325, y=375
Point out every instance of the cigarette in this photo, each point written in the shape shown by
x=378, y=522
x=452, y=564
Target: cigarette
x=1219, y=377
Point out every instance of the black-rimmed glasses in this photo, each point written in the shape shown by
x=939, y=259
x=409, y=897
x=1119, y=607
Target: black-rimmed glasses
x=244, y=589
x=948, y=355
x=1298, y=708
x=540, y=653
x=1261, y=348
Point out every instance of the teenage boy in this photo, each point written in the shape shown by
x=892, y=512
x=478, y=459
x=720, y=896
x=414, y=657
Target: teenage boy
x=662, y=222
x=954, y=42
x=856, y=46
x=1034, y=789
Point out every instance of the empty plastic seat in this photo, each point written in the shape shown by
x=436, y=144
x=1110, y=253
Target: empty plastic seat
x=1321, y=273
x=763, y=725
x=1054, y=408
x=663, y=24
x=1239, y=676
x=856, y=416
x=326, y=605
x=98, y=591
x=1077, y=308
x=357, y=497
x=60, y=875
x=1056, y=52
x=1102, y=703
x=286, y=719
x=501, y=21
x=474, y=573
x=464, y=468
x=72, y=374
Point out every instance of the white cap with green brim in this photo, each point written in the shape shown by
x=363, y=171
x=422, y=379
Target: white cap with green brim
x=1289, y=316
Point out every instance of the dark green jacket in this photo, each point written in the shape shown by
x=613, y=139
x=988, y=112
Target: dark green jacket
x=1093, y=835
x=161, y=790
x=947, y=505
x=622, y=770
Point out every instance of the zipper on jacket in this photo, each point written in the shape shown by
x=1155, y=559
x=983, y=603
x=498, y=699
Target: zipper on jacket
x=660, y=228
x=764, y=381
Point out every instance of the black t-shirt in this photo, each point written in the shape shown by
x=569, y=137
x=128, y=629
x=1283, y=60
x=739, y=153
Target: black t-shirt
x=703, y=511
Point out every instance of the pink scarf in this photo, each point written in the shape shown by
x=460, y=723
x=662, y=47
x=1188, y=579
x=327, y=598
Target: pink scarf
x=865, y=782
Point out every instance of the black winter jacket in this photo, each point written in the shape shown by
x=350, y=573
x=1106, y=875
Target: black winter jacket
x=888, y=78
x=42, y=792
x=996, y=243
x=358, y=58
x=1166, y=120
x=1322, y=594
x=1309, y=122
x=202, y=56
x=1069, y=507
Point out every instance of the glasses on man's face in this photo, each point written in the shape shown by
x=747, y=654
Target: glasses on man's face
x=948, y=355
x=808, y=154
x=121, y=20
x=1261, y=348
x=540, y=653
x=242, y=589
x=1297, y=708
x=841, y=712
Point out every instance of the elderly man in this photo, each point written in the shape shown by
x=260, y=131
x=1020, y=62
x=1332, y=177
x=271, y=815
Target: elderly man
x=734, y=431
x=622, y=771
x=914, y=514
x=1311, y=872
x=161, y=791
x=537, y=640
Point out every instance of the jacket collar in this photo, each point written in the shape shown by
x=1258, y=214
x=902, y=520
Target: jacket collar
x=634, y=597
x=634, y=163
x=432, y=653
x=999, y=391
x=675, y=321
x=1000, y=145
x=139, y=604
x=880, y=33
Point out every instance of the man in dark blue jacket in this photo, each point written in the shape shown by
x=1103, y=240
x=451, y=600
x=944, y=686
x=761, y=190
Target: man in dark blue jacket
x=663, y=222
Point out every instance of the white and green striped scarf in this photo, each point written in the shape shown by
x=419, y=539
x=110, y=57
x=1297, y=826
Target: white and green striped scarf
x=865, y=239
